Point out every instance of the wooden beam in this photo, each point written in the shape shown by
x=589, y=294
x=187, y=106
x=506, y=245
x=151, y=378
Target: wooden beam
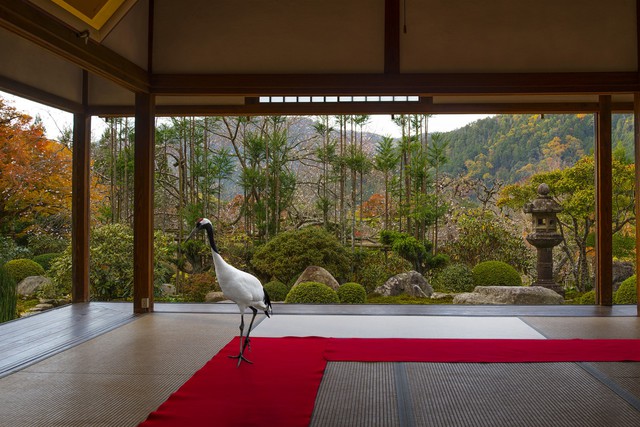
x=394, y=84
x=143, y=204
x=392, y=36
x=27, y=21
x=302, y=109
x=604, y=205
x=80, y=197
x=38, y=95
x=636, y=138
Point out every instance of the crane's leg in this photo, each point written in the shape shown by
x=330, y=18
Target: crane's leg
x=240, y=357
x=247, y=343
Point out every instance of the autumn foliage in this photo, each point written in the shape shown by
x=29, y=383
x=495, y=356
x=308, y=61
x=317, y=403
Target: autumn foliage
x=35, y=172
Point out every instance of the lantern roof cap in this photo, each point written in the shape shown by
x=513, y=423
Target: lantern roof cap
x=543, y=203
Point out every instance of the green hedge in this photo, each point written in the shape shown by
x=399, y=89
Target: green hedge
x=626, y=293
x=8, y=296
x=19, y=269
x=454, y=278
x=588, y=298
x=495, y=273
x=45, y=260
x=287, y=255
x=312, y=293
x=352, y=293
x=277, y=290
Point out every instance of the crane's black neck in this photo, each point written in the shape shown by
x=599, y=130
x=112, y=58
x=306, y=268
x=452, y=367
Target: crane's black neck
x=212, y=242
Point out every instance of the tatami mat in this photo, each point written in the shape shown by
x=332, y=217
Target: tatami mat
x=115, y=379
x=118, y=378
x=396, y=327
x=473, y=395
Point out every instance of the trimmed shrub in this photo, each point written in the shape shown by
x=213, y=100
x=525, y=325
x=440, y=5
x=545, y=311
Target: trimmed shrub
x=495, y=273
x=454, y=278
x=19, y=269
x=588, y=298
x=373, y=268
x=312, y=293
x=352, y=293
x=287, y=255
x=10, y=250
x=8, y=296
x=626, y=293
x=45, y=260
x=277, y=290
x=197, y=286
x=111, y=264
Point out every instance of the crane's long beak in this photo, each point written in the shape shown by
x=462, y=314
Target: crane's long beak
x=191, y=234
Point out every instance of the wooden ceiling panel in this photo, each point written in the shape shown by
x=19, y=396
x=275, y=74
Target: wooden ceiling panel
x=519, y=36
x=130, y=37
x=30, y=65
x=104, y=92
x=256, y=36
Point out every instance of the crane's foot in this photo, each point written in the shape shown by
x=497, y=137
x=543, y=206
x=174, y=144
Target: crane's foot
x=240, y=358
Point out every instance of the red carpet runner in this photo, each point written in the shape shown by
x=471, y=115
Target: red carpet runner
x=280, y=388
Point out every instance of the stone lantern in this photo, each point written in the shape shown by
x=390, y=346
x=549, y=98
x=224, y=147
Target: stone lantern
x=545, y=236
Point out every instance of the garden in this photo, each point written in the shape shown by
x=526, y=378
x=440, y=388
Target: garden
x=287, y=193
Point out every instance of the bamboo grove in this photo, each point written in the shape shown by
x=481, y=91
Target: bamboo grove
x=261, y=175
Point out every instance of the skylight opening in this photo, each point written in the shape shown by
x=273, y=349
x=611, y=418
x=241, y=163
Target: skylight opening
x=334, y=99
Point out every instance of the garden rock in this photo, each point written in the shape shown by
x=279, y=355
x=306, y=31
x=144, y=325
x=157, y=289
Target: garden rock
x=411, y=283
x=622, y=270
x=41, y=307
x=167, y=289
x=518, y=295
x=317, y=274
x=214, y=296
x=30, y=285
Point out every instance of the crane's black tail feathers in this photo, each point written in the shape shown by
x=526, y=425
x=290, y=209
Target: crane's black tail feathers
x=267, y=302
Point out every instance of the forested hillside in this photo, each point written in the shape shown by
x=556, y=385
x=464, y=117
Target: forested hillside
x=513, y=147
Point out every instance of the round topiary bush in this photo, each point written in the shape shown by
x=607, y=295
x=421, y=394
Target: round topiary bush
x=588, y=298
x=45, y=260
x=495, y=273
x=626, y=293
x=277, y=290
x=287, y=255
x=197, y=286
x=312, y=293
x=454, y=278
x=352, y=293
x=19, y=269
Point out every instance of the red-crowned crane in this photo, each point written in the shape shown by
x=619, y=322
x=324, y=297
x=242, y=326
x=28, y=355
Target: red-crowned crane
x=241, y=287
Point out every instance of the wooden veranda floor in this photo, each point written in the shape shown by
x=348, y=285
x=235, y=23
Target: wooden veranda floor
x=97, y=364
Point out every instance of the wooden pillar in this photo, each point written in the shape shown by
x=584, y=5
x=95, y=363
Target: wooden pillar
x=636, y=138
x=604, y=204
x=143, y=204
x=392, y=36
x=80, y=213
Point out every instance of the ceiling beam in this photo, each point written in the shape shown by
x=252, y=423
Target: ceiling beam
x=395, y=84
x=29, y=22
x=37, y=95
x=302, y=109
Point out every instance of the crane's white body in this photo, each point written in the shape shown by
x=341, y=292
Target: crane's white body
x=239, y=286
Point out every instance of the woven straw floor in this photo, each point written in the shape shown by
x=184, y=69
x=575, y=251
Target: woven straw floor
x=123, y=373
